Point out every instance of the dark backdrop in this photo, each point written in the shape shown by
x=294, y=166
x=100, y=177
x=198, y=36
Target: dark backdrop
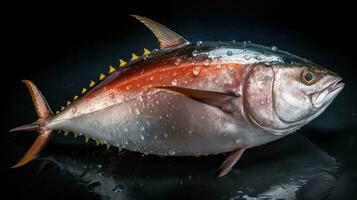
x=61, y=46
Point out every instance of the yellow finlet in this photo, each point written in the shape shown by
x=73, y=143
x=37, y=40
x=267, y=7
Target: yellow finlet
x=65, y=133
x=75, y=97
x=86, y=138
x=68, y=103
x=101, y=76
x=146, y=52
x=134, y=57
x=62, y=108
x=108, y=146
x=111, y=69
x=97, y=142
x=57, y=112
x=122, y=63
x=75, y=134
x=84, y=90
x=92, y=83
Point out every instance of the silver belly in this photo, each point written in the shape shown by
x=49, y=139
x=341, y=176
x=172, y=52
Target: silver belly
x=165, y=123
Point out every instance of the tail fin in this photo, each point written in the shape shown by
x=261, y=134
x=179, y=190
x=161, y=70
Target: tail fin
x=44, y=113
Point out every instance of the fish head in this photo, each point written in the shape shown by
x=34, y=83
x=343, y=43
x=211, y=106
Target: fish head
x=283, y=98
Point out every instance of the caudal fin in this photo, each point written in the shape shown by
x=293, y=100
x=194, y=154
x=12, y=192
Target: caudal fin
x=44, y=113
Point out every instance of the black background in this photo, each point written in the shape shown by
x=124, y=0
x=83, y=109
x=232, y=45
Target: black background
x=49, y=43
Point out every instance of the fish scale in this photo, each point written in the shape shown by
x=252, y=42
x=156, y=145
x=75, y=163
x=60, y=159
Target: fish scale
x=192, y=99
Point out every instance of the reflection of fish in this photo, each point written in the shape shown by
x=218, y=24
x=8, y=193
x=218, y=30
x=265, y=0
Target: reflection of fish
x=193, y=99
x=281, y=171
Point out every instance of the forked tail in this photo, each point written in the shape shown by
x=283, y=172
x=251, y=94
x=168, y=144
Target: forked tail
x=45, y=114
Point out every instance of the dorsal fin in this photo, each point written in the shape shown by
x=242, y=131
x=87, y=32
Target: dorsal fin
x=165, y=36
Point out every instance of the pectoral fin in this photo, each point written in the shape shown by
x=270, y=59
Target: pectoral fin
x=229, y=162
x=216, y=99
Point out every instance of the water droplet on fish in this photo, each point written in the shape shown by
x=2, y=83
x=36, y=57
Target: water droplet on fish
x=125, y=129
x=137, y=111
x=274, y=48
x=128, y=87
x=233, y=41
x=196, y=70
x=155, y=136
x=247, y=57
x=142, y=137
x=111, y=95
x=218, y=66
x=118, y=188
x=206, y=62
x=245, y=43
x=173, y=127
x=189, y=132
x=229, y=53
x=126, y=142
x=178, y=61
x=258, y=58
x=99, y=166
x=174, y=82
x=171, y=152
x=230, y=67
x=165, y=135
x=189, y=177
x=199, y=43
x=262, y=102
x=238, y=141
x=194, y=53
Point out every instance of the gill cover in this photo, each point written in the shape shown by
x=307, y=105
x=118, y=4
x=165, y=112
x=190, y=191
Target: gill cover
x=44, y=113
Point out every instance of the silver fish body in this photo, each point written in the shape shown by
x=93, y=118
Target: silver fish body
x=155, y=121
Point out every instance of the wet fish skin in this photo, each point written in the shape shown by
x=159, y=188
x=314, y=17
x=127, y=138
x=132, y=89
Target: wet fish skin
x=192, y=99
x=158, y=116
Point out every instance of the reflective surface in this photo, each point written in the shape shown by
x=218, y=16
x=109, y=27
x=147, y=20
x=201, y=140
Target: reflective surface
x=281, y=170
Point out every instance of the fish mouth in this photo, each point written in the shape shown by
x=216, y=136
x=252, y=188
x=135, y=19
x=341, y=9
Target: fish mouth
x=327, y=95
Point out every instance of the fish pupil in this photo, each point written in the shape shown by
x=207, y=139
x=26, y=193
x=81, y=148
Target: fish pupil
x=308, y=76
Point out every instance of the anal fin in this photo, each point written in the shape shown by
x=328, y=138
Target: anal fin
x=229, y=162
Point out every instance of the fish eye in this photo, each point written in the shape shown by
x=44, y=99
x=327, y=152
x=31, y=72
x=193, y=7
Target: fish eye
x=308, y=77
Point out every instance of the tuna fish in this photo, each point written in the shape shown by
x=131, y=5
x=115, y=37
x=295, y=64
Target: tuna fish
x=192, y=99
